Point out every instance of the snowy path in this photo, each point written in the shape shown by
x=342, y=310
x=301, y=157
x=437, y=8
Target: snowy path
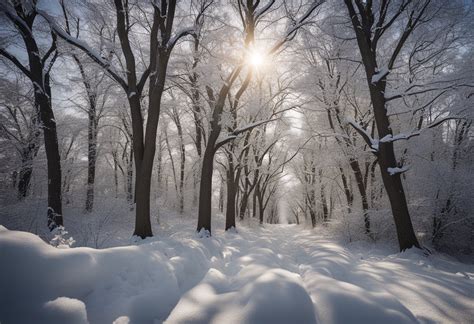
x=343, y=287
x=276, y=274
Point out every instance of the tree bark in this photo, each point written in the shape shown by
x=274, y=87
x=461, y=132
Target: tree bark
x=386, y=154
x=205, y=190
x=231, y=194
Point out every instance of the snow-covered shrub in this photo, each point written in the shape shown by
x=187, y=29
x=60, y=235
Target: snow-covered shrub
x=60, y=238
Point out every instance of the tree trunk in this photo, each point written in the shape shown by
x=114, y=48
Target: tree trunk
x=261, y=207
x=231, y=195
x=91, y=158
x=362, y=191
x=129, y=180
x=347, y=190
x=24, y=177
x=205, y=189
x=182, y=165
x=386, y=154
x=144, y=167
x=54, y=213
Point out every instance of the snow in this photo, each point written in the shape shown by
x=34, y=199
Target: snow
x=396, y=170
x=260, y=274
x=382, y=73
x=185, y=31
x=393, y=138
x=63, y=309
x=374, y=143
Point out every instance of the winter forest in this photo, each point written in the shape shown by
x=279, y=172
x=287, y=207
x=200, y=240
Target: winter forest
x=236, y=161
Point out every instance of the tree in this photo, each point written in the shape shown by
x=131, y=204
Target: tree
x=162, y=41
x=372, y=24
x=251, y=14
x=40, y=62
x=20, y=127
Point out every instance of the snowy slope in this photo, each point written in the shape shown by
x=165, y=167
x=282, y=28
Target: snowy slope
x=270, y=274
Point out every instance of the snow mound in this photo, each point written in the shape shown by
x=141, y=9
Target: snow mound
x=65, y=310
x=342, y=302
x=35, y=277
x=276, y=296
x=268, y=274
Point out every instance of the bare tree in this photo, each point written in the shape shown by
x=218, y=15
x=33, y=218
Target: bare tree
x=251, y=13
x=40, y=61
x=162, y=41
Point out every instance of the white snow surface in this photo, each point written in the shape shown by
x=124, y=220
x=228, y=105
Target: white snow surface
x=257, y=274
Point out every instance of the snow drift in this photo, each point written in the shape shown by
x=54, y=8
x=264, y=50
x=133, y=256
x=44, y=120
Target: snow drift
x=272, y=274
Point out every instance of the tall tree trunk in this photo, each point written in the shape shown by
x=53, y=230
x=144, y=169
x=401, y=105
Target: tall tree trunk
x=205, y=189
x=386, y=153
x=261, y=206
x=129, y=180
x=182, y=165
x=114, y=157
x=231, y=194
x=38, y=73
x=354, y=164
x=28, y=155
x=347, y=190
x=144, y=171
x=91, y=158
x=24, y=178
x=54, y=213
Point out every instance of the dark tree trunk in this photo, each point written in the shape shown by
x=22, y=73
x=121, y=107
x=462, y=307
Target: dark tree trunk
x=231, y=194
x=48, y=121
x=24, y=180
x=91, y=158
x=362, y=191
x=347, y=190
x=244, y=203
x=55, y=217
x=28, y=155
x=261, y=207
x=38, y=73
x=205, y=189
x=129, y=179
x=386, y=155
x=114, y=157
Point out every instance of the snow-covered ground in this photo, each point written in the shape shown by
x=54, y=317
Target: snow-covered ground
x=262, y=274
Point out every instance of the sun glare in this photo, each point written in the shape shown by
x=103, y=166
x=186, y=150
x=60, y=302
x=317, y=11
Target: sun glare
x=255, y=59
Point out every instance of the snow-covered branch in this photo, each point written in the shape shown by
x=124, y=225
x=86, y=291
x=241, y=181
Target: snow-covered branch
x=96, y=57
x=15, y=61
x=374, y=145
x=180, y=34
x=291, y=31
x=397, y=170
x=413, y=93
x=233, y=135
x=393, y=138
x=381, y=74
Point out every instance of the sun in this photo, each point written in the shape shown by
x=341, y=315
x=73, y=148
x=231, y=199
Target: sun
x=256, y=59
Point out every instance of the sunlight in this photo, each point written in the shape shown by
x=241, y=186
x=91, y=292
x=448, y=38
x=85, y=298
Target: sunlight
x=256, y=59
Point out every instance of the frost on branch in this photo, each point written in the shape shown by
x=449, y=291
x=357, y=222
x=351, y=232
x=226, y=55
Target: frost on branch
x=373, y=143
x=394, y=171
x=382, y=73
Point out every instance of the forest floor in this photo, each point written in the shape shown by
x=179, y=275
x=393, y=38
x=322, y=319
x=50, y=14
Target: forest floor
x=260, y=274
